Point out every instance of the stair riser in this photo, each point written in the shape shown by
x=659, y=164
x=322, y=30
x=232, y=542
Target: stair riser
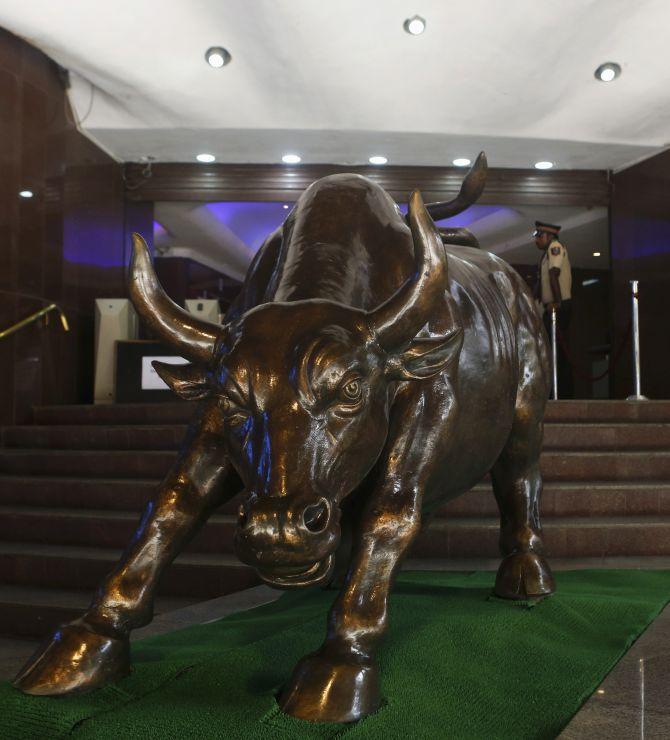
x=561, y=541
x=607, y=437
x=198, y=581
x=571, y=502
x=89, y=464
x=182, y=412
x=615, y=411
x=103, y=532
x=30, y=621
x=437, y=541
x=136, y=413
x=168, y=437
x=556, y=466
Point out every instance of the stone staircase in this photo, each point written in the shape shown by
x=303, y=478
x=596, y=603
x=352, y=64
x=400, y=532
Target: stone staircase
x=73, y=483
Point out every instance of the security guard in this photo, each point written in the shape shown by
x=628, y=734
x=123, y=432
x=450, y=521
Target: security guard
x=555, y=292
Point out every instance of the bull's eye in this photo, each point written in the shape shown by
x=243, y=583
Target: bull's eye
x=351, y=392
x=233, y=414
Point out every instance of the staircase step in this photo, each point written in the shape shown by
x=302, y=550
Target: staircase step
x=87, y=463
x=195, y=576
x=606, y=436
x=589, y=536
x=106, y=529
x=556, y=465
x=100, y=437
x=181, y=412
x=109, y=494
x=178, y=412
x=574, y=537
x=598, y=498
x=131, y=495
x=33, y=612
x=564, y=436
x=594, y=411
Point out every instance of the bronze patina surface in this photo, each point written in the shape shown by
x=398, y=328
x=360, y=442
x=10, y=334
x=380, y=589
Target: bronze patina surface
x=366, y=374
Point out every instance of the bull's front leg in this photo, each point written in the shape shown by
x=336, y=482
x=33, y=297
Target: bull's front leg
x=94, y=650
x=339, y=683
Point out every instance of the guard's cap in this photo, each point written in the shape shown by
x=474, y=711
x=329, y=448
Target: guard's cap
x=541, y=227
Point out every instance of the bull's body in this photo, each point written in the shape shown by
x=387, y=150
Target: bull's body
x=360, y=257
x=363, y=377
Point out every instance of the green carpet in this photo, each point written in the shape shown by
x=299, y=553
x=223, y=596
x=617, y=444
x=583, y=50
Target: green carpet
x=457, y=664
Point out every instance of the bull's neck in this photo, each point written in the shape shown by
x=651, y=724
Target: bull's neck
x=329, y=271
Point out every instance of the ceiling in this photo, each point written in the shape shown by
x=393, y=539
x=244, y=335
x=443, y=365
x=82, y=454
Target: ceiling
x=225, y=236
x=338, y=82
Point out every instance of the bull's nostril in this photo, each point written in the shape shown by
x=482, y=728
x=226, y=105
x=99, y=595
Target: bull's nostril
x=315, y=517
x=241, y=515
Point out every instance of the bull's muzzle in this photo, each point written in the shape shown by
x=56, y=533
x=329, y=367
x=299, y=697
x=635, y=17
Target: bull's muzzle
x=290, y=543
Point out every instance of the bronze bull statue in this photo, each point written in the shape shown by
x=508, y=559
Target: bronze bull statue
x=366, y=374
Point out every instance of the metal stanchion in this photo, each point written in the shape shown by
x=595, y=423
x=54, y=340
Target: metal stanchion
x=637, y=396
x=554, y=355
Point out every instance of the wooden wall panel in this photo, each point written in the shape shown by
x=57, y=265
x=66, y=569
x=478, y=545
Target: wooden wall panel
x=184, y=181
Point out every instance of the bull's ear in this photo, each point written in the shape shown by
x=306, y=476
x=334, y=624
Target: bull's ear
x=426, y=356
x=187, y=381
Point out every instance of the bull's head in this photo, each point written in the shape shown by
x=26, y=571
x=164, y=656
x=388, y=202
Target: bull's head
x=303, y=392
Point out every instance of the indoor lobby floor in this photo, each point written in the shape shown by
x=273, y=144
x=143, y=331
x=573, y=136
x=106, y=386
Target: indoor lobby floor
x=631, y=702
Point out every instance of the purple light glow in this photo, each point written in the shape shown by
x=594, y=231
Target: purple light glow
x=251, y=222
x=465, y=219
x=89, y=241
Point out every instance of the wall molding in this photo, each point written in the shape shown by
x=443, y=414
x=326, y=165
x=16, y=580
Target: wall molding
x=253, y=182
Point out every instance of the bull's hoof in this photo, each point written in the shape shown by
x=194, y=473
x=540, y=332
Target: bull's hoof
x=524, y=575
x=74, y=659
x=322, y=689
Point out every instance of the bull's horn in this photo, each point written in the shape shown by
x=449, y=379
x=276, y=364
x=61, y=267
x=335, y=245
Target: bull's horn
x=459, y=236
x=193, y=338
x=399, y=320
x=471, y=189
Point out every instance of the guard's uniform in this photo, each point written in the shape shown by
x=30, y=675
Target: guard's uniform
x=556, y=257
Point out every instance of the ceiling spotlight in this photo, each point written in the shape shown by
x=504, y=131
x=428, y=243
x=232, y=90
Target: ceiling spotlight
x=461, y=162
x=25, y=193
x=285, y=206
x=415, y=25
x=543, y=165
x=290, y=159
x=596, y=254
x=206, y=158
x=217, y=56
x=378, y=159
x=607, y=72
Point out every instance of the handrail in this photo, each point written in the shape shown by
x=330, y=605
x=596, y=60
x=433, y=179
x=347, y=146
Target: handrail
x=33, y=317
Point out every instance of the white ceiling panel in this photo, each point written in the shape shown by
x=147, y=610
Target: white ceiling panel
x=342, y=81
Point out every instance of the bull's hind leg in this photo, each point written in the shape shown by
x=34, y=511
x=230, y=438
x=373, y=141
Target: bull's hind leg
x=94, y=650
x=517, y=484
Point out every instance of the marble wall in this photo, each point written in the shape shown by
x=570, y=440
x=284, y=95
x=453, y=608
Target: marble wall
x=66, y=244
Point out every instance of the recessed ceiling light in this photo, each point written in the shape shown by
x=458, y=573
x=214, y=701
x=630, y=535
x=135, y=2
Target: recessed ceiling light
x=415, y=25
x=607, y=72
x=378, y=159
x=596, y=254
x=543, y=165
x=217, y=56
x=461, y=162
x=25, y=193
x=206, y=158
x=285, y=206
x=290, y=158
